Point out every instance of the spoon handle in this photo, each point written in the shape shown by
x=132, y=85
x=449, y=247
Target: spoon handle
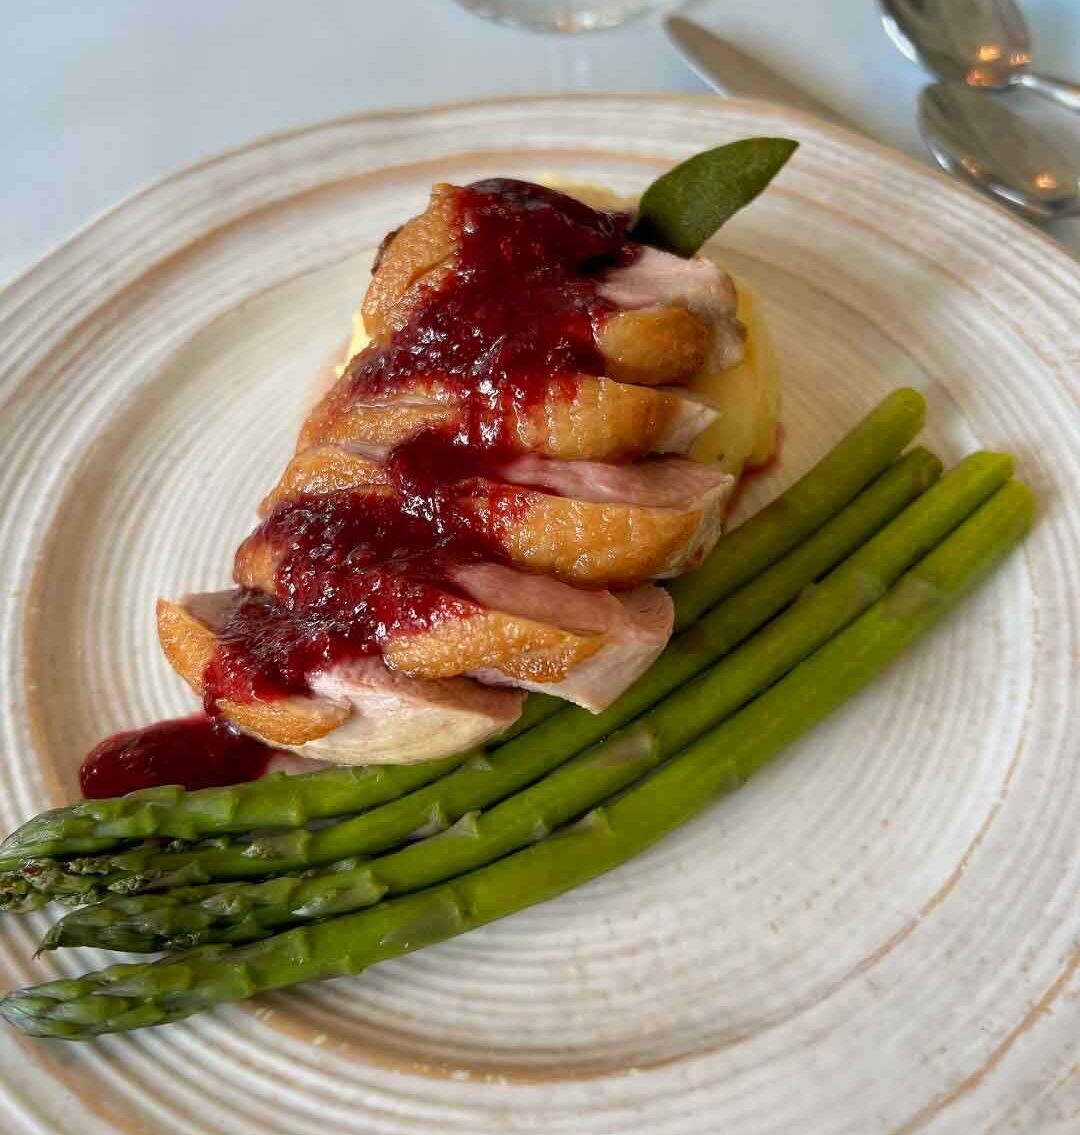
x=1061, y=91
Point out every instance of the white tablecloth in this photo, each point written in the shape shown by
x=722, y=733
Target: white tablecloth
x=99, y=96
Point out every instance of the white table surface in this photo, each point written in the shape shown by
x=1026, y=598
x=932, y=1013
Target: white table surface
x=98, y=97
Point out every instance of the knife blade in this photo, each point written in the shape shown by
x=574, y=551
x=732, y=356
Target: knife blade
x=732, y=72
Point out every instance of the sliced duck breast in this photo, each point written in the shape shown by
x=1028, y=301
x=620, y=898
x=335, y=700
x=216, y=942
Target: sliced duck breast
x=690, y=301
x=359, y=712
x=574, y=417
x=656, y=280
x=584, y=522
x=636, y=627
x=512, y=442
x=400, y=720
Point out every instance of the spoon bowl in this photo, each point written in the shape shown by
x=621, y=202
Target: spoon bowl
x=983, y=142
x=983, y=43
x=979, y=42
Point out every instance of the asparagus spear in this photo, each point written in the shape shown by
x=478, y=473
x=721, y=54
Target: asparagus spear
x=16, y=893
x=98, y=825
x=526, y=759
x=130, y=996
x=238, y=913
x=277, y=800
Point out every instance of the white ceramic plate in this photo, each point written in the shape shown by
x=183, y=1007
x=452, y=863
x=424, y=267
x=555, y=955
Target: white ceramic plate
x=878, y=935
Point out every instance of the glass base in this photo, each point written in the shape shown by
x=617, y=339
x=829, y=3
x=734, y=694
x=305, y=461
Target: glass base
x=561, y=15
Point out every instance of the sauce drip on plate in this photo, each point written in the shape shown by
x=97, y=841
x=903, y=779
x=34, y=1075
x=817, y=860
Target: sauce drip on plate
x=196, y=752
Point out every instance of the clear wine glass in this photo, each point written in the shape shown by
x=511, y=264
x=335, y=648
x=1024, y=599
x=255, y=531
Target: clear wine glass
x=561, y=15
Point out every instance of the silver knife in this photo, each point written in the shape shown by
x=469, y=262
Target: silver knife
x=734, y=73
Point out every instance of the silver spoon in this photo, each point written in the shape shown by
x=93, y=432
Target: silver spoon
x=983, y=142
x=984, y=43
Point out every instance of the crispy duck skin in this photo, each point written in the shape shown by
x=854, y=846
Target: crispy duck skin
x=412, y=260
x=515, y=645
x=511, y=633
x=188, y=636
x=584, y=417
x=325, y=469
x=637, y=626
x=599, y=526
x=654, y=346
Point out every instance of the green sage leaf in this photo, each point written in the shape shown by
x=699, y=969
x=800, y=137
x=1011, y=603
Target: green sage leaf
x=684, y=207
